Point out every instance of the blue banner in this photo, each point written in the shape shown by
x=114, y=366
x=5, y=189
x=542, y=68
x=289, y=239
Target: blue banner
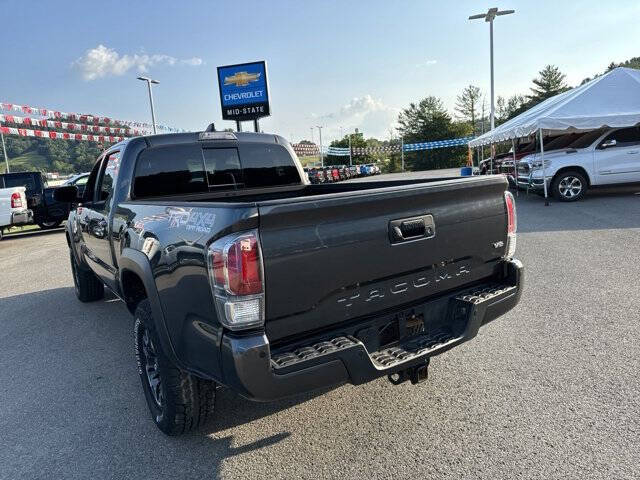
x=453, y=142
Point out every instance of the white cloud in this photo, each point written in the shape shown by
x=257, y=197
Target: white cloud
x=103, y=61
x=369, y=115
x=428, y=63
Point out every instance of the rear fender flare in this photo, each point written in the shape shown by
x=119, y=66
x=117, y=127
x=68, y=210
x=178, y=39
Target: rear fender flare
x=137, y=262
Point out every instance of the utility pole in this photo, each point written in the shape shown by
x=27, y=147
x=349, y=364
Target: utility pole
x=350, y=160
x=319, y=127
x=402, y=151
x=4, y=151
x=312, y=140
x=153, y=115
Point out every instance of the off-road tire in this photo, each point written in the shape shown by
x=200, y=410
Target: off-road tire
x=182, y=402
x=569, y=186
x=87, y=285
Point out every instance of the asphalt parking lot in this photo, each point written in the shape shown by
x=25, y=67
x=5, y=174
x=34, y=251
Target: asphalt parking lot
x=550, y=390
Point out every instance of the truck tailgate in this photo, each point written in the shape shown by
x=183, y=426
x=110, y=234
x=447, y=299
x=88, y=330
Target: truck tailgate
x=332, y=258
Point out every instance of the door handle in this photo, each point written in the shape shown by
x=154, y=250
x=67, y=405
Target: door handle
x=411, y=228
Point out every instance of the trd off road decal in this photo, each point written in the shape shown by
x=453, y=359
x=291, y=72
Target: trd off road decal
x=191, y=219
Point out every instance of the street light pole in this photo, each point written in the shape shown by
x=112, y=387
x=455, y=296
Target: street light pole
x=319, y=127
x=4, y=151
x=493, y=108
x=490, y=16
x=153, y=115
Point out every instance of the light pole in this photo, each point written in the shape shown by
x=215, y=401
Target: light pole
x=4, y=151
x=319, y=127
x=491, y=14
x=153, y=115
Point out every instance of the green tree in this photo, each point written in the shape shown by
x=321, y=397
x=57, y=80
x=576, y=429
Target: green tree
x=428, y=120
x=509, y=108
x=467, y=104
x=551, y=81
x=357, y=141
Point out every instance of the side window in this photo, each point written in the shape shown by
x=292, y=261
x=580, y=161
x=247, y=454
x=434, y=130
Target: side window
x=624, y=137
x=169, y=170
x=26, y=180
x=110, y=167
x=268, y=166
x=89, y=191
x=81, y=181
x=223, y=167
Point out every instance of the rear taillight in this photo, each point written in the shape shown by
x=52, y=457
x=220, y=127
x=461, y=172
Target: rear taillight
x=16, y=200
x=512, y=224
x=237, y=281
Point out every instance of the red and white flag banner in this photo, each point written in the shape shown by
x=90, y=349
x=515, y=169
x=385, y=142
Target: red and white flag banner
x=24, y=132
x=95, y=119
x=69, y=126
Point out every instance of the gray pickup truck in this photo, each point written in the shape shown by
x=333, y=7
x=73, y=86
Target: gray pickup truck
x=241, y=274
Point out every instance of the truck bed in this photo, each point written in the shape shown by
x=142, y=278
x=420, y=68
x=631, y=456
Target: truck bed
x=328, y=255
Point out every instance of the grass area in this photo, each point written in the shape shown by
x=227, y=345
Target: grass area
x=309, y=161
x=28, y=161
x=21, y=229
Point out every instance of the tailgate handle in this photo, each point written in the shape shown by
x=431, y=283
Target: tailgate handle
x=411, y=228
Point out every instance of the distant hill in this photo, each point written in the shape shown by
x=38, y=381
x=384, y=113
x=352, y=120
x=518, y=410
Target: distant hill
x=27, y=161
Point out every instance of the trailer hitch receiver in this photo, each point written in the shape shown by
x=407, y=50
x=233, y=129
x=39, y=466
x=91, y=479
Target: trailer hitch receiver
x=416, y=374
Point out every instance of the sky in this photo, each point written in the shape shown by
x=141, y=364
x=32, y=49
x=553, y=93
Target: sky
x=338, y=64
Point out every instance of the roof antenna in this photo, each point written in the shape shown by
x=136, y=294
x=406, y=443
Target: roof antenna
x=211, y=128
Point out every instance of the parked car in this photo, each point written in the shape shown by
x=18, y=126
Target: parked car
x=335, y=173
x=47, y=212
x=238, y=272
x=13, y=208
x=353, y=171
x=597, y=158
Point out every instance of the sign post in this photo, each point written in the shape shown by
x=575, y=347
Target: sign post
x=244, y=93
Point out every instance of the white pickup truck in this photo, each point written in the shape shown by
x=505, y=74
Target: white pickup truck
x=13, y=208
x=597, y=158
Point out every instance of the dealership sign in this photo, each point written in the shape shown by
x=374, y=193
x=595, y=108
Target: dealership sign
x=244, y=93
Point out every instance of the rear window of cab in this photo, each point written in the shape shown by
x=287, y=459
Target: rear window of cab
x=194, y=168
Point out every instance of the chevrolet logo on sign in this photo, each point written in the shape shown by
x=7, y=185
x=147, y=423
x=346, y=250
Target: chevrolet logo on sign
x=241, y=79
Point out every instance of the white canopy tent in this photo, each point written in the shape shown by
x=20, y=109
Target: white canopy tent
x=611, y=100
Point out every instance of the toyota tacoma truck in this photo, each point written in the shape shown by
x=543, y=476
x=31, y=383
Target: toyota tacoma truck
x=240, y=273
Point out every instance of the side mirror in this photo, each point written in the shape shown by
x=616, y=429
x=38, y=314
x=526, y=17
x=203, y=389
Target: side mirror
x=609, y=143
x=68, y=194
